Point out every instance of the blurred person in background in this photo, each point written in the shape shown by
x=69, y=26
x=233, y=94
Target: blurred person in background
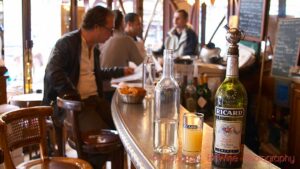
x=181, y=38
x=119, y=50
x=133, y=28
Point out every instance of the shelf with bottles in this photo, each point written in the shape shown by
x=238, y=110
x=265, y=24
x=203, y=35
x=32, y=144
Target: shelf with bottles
x=196, y=96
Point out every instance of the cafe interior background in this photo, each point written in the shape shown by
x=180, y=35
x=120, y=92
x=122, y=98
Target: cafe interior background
x=29, y=29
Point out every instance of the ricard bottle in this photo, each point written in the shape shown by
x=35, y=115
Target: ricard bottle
x=166, y=112
x=230, y=111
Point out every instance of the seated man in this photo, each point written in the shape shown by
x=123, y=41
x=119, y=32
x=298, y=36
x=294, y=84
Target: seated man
x=119, y=50
x=133, y=28
x=181, y=38
x=73, y=72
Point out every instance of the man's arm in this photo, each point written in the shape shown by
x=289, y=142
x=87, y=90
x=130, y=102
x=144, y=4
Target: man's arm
x=159, y=52
x=191, y=47
x=57, y=73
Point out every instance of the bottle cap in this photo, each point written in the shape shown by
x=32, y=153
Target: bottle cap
x=233, y=36
x=205, y=78
x=200, y=79
x=195, y=81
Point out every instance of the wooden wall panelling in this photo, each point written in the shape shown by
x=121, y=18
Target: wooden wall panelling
x=194, y=16
x=294, y=134
x=3, y=95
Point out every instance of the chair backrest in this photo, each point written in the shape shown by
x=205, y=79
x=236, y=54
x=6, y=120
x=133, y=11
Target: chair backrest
x=23, y=127
x=71, y=123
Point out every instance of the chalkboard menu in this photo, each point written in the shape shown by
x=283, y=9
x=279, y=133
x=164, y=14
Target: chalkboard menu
x=252, y=19
x=286, y=47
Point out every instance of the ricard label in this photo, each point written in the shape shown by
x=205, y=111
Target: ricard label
x=228, y=133
x=229, y=112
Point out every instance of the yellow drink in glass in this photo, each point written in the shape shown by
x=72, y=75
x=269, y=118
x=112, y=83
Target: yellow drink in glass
x=192, y=141
x=192, y=137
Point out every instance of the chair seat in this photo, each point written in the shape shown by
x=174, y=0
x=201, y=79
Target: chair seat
x=57, y=163
x=104, y=141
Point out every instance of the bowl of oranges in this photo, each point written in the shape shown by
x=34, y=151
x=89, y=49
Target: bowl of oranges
x=131, y=94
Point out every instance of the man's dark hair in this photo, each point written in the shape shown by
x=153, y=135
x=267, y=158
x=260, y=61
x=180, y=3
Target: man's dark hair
x=130, y=17
x=95, y=16
x=118, y=18
x=184, y=13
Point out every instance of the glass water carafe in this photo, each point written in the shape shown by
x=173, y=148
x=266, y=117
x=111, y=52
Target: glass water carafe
x=166, y=112
x=149, y=73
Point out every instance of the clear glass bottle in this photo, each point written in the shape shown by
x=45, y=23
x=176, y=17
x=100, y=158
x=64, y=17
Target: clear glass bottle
x=166, y=112
x=230, y=111
x=149, y=73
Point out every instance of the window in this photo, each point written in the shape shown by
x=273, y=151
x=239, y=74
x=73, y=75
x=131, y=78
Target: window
x=45, y=30
x=292, y=8
x=44, y=34
x=127, y=4
x=13, y=52
x=214, y=15
x=155, y=32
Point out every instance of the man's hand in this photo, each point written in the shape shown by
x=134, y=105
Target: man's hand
x=70, y=95
x=128, y=71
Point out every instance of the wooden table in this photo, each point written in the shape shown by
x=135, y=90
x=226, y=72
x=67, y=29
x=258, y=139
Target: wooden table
x=27, y=100
x=7, y=107
x=134, y=124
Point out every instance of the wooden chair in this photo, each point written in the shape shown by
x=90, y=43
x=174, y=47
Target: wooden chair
x=103, y=142
x=31, y=100
x=27, y=126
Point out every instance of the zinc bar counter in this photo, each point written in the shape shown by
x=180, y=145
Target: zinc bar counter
x=134, y=124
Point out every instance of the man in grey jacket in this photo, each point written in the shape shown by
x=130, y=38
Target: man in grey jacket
x=73, y=72
x=181, y=38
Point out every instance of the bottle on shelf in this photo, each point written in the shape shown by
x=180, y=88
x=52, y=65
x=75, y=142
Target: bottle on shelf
x=166, y=112
x=182, y=87
x=230, y=111
x=209, y=97
x=190, y=97
x=195, y=82
x=203, y=96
